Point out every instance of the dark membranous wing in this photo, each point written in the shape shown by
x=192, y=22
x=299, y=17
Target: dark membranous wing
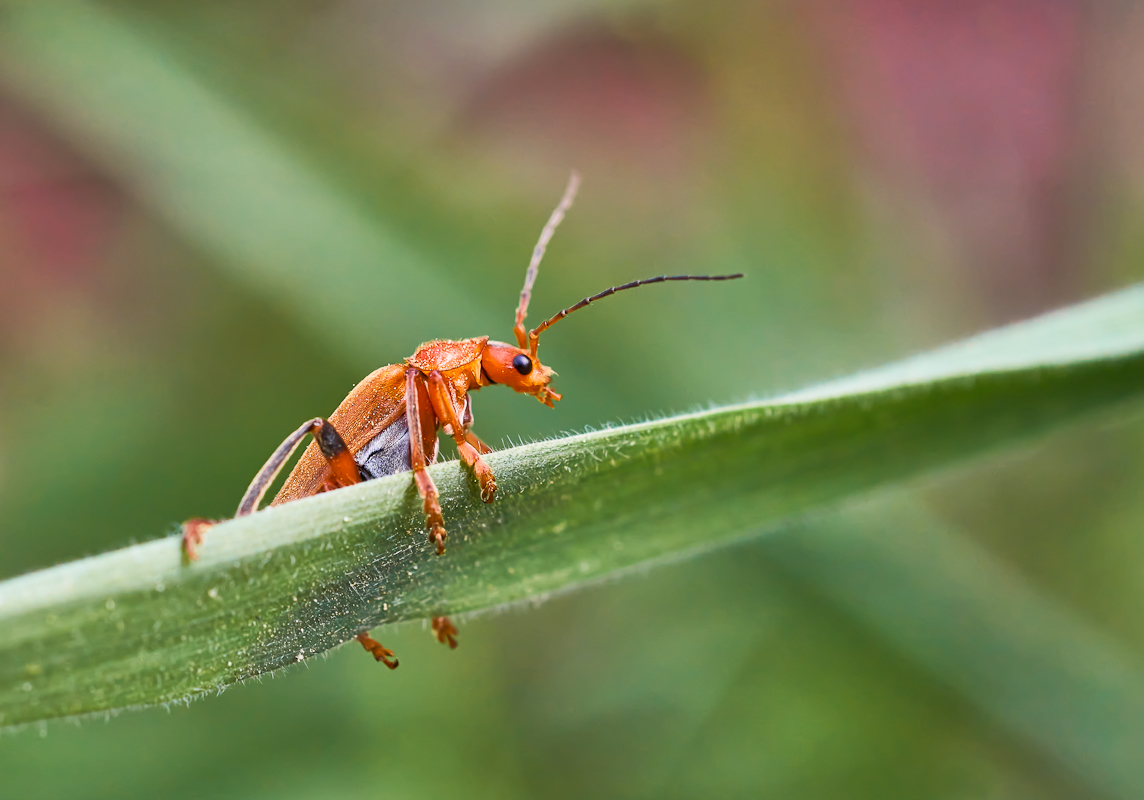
x=387, y=453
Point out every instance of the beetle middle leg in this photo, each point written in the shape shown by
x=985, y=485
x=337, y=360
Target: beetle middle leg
x=468, y=445
x=434, y=520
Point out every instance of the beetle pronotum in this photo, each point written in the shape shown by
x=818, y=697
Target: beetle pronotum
x=389, y=422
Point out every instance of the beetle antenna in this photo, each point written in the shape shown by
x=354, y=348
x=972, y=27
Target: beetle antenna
x=534, y=335
x=538, y=253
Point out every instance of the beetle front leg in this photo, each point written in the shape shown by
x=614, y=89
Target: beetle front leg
x=481, y=469
x=446, y=410
x=471, y=451
x=434, y=521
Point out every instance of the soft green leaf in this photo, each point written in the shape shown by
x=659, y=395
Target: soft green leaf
x=137, y=627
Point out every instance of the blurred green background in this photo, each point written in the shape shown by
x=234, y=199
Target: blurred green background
x=216, y=217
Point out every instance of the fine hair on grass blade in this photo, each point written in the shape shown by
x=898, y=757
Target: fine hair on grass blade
x=139, y=627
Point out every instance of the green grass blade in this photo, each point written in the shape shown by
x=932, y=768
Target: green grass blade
x=136, y=627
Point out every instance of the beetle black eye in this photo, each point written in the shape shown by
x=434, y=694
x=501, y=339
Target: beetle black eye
x=522, y=364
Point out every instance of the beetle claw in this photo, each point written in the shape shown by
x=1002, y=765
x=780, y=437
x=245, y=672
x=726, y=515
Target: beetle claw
x=489, y=491
x=438, y=536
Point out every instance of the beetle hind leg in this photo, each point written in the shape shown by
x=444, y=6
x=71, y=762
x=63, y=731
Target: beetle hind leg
x=379, y=652
x=343, y=472
x=481, y=470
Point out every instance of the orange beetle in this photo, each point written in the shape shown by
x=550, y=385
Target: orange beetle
x=389, y=422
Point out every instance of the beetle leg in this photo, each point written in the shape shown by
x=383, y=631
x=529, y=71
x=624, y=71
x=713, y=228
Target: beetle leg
x=475, y=441
x=446, y=411
x=425, y=486
x=445, y=632
x=333, y=448
x=481, y=470
x=382, y=654
x=342, y=465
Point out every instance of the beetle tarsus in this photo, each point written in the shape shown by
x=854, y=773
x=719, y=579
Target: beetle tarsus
x=489, y=492
x=415, y=383
x=485, y=478
x=445, y=632
x=438, y=537
x=382, y=654
x=193, y=530
x=482, y=471
x=434, y=520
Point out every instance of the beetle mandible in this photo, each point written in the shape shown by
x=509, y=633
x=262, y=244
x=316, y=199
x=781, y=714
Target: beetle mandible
x=388, y=423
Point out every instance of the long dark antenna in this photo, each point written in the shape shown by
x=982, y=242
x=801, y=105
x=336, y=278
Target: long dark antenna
x=538, y=253
x=534, y=334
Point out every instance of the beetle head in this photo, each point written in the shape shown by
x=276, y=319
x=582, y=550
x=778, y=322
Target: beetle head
x=515, y=368
x=518, y=366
